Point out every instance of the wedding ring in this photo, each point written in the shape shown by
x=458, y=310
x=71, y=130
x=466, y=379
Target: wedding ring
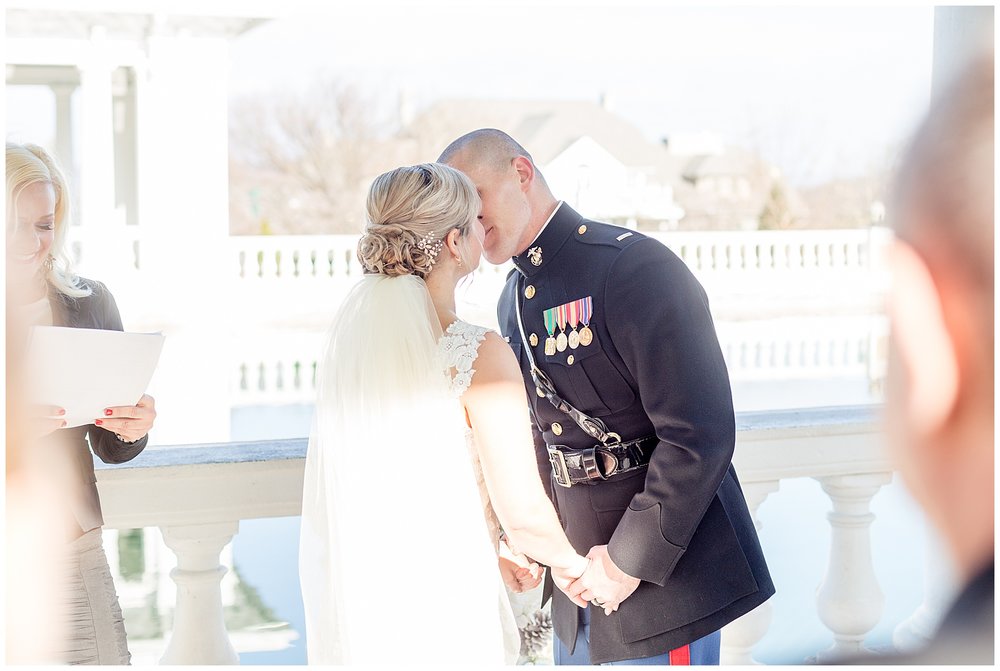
x=599, y=604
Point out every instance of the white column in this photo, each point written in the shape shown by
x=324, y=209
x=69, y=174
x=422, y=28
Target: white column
x=850, y=601
x=959, y=32
x=104, y=251
x=199, y=635
x=64, y=128
x=184, y=209
x=740, y=637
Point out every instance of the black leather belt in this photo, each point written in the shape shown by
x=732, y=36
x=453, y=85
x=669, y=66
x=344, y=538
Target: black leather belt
x=595, y=464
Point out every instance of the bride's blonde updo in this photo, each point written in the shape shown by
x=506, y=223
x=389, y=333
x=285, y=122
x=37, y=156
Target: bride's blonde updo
x=410, y=210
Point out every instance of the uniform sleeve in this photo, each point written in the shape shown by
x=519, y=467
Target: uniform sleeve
x=104, y=443
x=659, y=320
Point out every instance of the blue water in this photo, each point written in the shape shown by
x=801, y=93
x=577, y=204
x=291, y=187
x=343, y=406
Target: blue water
x=795, y=536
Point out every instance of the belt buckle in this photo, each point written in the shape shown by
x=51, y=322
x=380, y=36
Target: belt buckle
x=559, y=469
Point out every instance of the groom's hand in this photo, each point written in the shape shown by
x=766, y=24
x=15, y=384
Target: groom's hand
x=603, y=581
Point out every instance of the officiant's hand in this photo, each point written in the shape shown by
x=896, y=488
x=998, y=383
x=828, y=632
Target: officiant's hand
x=519, y=573
x=44, y=420
x=603, y=583
x=129, y=422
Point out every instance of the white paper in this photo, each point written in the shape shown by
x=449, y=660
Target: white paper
x=85, y=371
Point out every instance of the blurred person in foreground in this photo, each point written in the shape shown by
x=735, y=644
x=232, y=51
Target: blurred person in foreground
x=939, y=395
x=46, y=293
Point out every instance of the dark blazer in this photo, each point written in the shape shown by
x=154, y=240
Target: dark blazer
x=654, y=368
x=96, y=311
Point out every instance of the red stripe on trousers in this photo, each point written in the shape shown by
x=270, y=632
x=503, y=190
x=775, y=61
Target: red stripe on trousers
x=681, y=656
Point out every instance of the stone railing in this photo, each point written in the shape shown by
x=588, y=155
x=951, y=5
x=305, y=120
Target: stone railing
x=283, y=369
x=198, y=494
x=705, y=252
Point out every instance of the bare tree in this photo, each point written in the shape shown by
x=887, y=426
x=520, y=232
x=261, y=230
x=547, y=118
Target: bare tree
x=299, y=163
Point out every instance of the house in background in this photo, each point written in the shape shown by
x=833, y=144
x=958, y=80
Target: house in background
x=604, y=167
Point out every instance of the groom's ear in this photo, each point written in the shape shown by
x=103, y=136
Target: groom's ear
x=525, y=171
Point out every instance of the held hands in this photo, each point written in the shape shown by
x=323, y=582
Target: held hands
x=129, y=422
x=565, y=577
x=602, y=582
x=519, y=573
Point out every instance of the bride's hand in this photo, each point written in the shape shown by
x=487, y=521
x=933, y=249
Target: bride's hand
x=564, y=577
x=519, y=573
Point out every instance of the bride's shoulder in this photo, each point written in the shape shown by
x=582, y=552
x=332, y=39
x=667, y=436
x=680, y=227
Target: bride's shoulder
x=496, y=360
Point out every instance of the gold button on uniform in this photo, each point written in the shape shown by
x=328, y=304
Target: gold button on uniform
x=529, y=292
x=557, y=428
x=533, y=339
x=538, y=390
x=570, y=359
x=582, y=229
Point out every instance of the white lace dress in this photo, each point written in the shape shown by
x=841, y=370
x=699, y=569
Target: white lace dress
x=458, y=349
x=397, y=561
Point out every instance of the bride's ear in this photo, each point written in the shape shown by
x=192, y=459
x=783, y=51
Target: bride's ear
x=451, y=244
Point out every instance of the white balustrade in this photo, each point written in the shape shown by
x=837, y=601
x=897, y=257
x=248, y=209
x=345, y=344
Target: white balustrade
x=197, y=495
x=199, y=635
x=740, y=637
x=849, y=601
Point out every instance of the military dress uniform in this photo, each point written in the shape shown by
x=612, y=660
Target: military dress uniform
x=622, y=329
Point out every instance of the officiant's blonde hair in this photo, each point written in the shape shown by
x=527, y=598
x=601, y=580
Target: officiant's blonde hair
x=29, y=164
x=410, y=210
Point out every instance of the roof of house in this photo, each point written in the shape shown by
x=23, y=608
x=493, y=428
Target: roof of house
x=544, y=127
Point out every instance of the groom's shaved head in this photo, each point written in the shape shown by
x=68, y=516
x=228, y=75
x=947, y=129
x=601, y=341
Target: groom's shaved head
x=486, y=146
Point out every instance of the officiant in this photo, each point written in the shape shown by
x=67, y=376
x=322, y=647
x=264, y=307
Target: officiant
x=43, y=291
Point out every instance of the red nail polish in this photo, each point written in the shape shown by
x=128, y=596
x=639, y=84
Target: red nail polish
x=107, y=412
x=98, y=422
x=61, y=412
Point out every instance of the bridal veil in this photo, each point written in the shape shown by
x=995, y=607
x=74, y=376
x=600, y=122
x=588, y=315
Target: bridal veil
x=395, y=561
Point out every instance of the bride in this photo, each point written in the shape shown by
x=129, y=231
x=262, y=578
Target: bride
x=421, y=451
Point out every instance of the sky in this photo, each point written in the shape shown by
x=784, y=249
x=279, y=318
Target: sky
x=821, y=92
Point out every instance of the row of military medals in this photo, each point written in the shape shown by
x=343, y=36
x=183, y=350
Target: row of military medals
x=572, y=315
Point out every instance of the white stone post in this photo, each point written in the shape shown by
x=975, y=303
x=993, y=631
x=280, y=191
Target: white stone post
x=64, y=130
x=102, y=235
x=740, y=637
x=850, y=601
x=199, y=634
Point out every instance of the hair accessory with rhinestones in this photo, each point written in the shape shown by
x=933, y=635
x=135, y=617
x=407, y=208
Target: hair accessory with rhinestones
x=430, y=246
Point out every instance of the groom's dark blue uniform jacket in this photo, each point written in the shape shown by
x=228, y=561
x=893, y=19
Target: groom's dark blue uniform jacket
x=653, y=368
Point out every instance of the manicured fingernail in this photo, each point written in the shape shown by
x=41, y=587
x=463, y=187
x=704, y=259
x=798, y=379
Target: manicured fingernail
x=61, y=411
x=98, y=422
x=107, y=412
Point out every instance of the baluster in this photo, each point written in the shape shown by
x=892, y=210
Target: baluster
x=279, y=379
x=243, y=376
x=243, y=262
x=939, y=586
x=297, y=377
x=740, y=636
x=295, y=263
x=329, y=262
x=849, y=600
x=261, y=377
x=199, y=632
x=313, y=270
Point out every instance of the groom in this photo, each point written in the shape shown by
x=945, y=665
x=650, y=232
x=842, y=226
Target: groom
x=621, y=337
